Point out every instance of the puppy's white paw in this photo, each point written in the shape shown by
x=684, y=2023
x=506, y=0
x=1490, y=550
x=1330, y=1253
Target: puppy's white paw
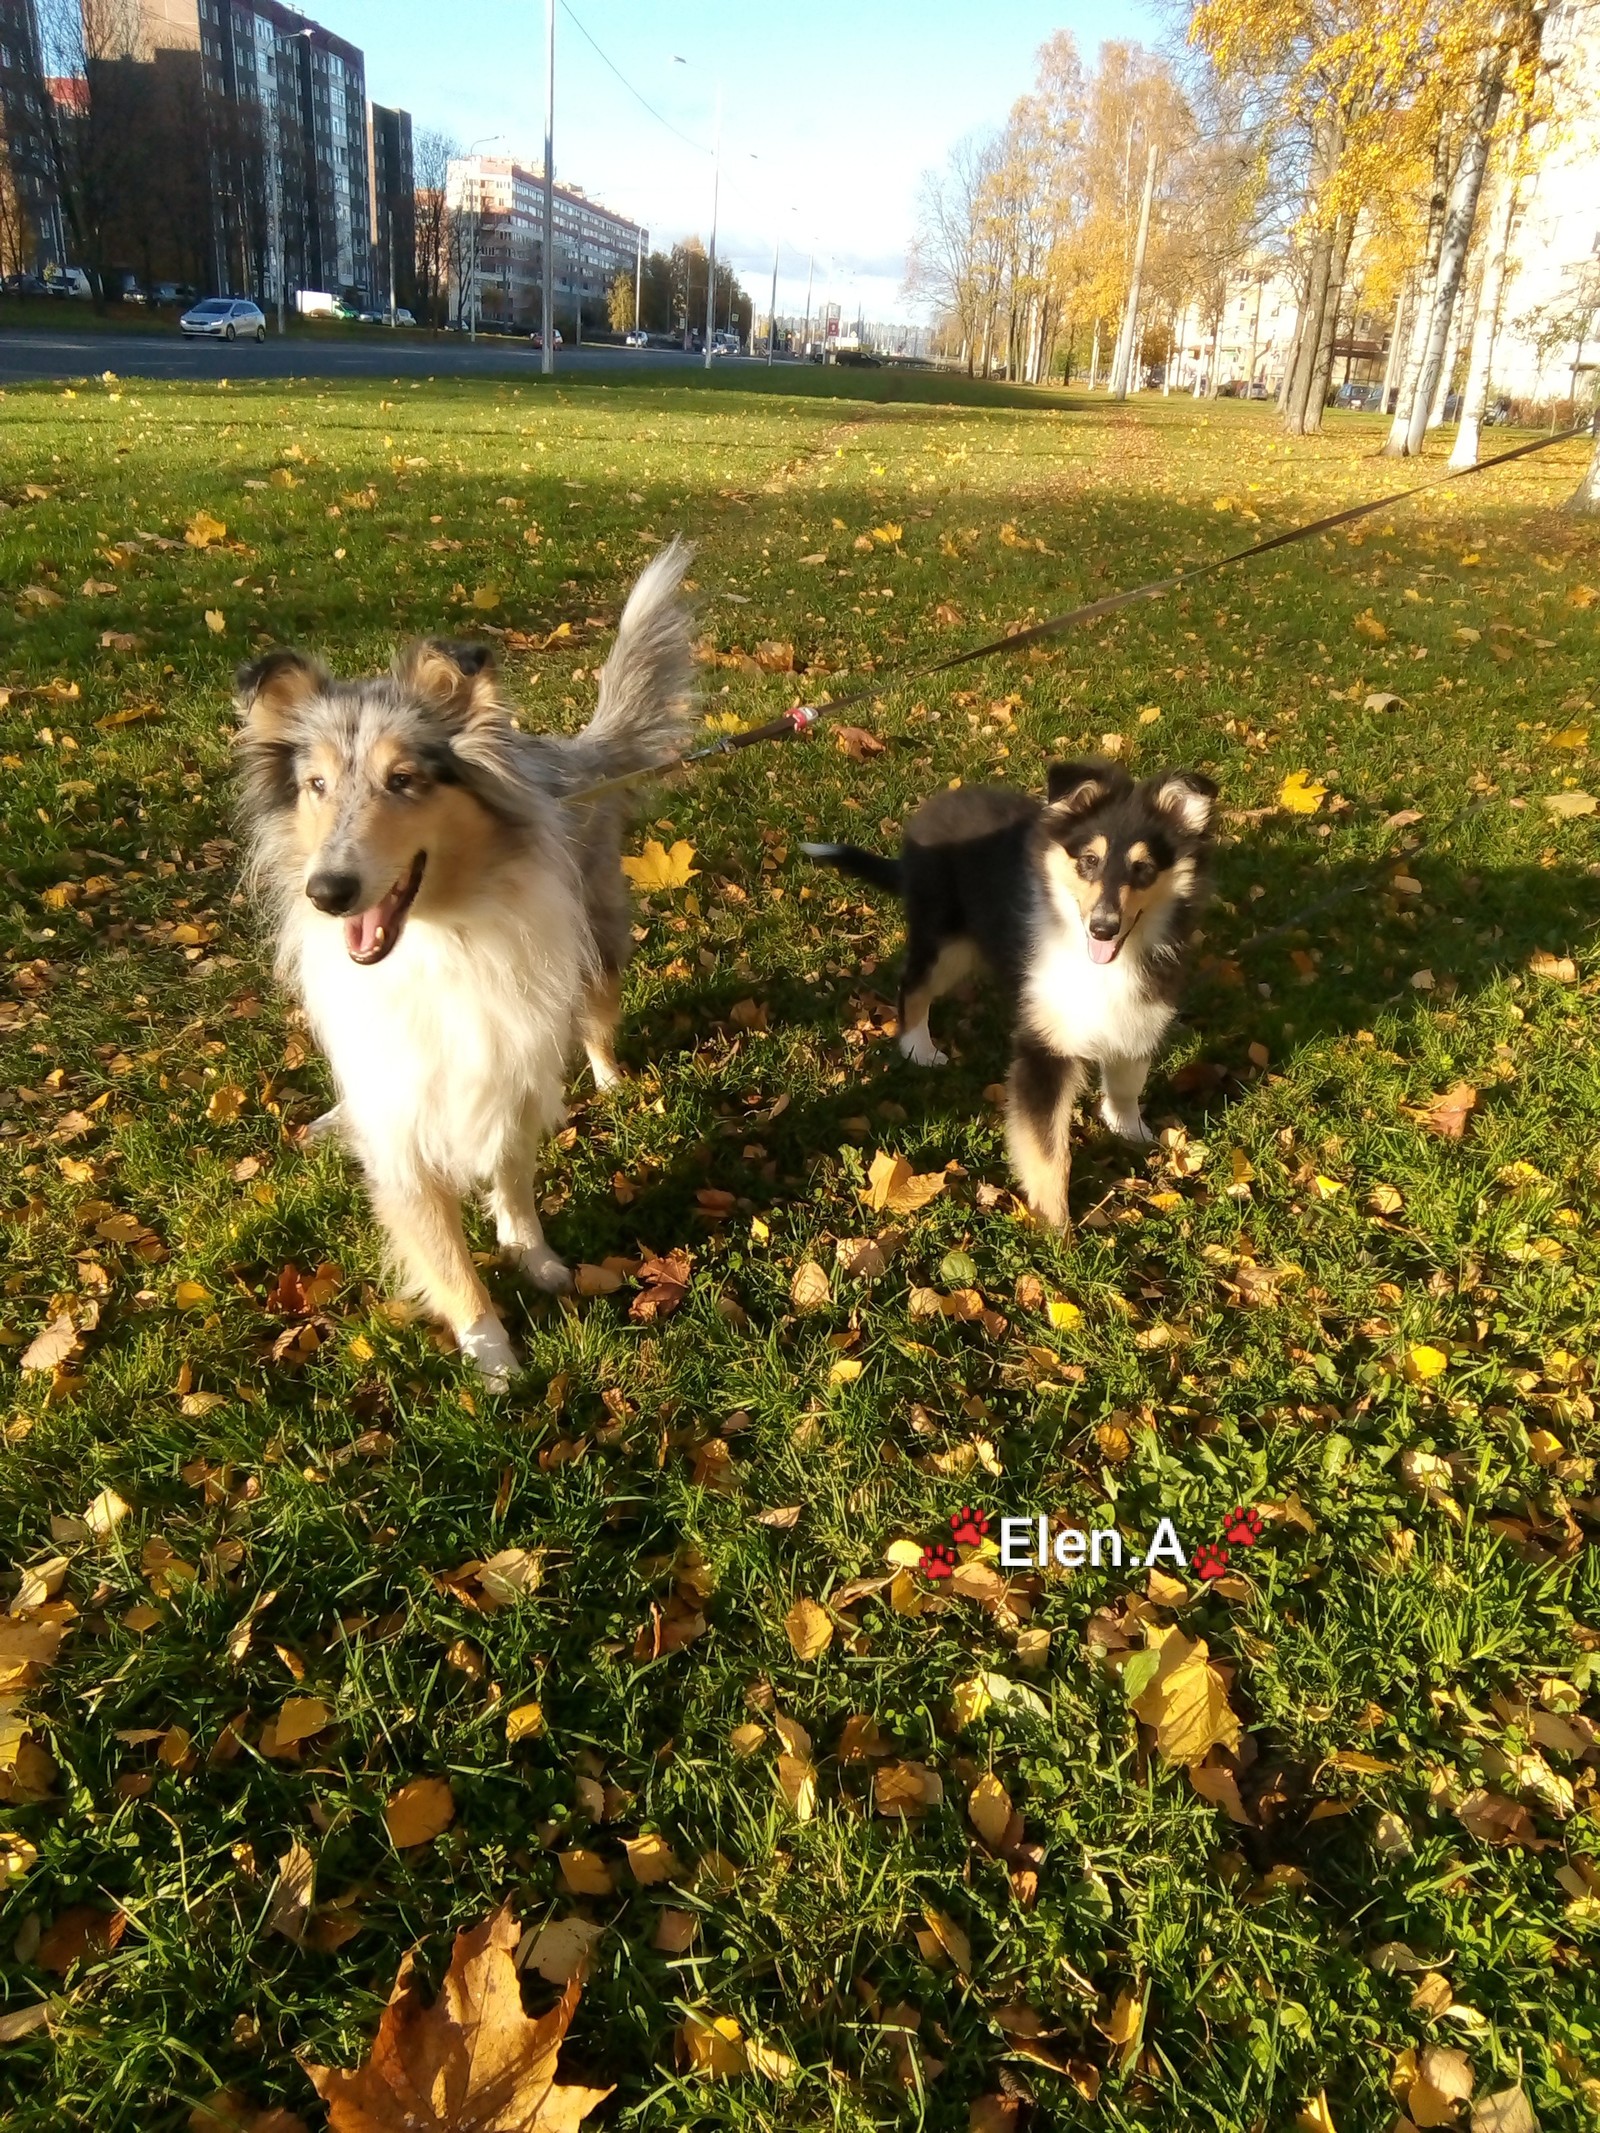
x=542, y=1267
x=1128, y=1125
x=326, y=1128
x=607, y=1074
x=484, y=1343
x=918, y=1046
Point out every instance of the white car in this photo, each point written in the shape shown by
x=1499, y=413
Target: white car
x=636, y=339
x=224, y=318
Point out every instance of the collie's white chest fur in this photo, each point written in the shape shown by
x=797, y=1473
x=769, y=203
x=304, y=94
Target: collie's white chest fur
x=450, y=1054
x=1087, y=1010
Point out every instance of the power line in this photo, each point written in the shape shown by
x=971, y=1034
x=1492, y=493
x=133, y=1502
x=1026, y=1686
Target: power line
x=698, y=147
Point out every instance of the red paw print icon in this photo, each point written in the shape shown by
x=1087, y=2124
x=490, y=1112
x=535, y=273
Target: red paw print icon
x=1210, y=1559
x=938, y=1561
x=1242, y=1526
x=969, y=1526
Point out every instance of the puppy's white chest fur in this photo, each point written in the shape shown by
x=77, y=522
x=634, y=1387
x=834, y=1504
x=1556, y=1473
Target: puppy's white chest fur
x=1087, y=1010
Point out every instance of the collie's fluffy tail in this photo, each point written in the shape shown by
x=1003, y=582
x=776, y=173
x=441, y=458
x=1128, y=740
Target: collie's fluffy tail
x=866, y=866
x=647, y=686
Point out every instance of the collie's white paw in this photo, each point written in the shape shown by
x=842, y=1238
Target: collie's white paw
x=607, y=1074
x=484, y=1343
x=542, y=1267
x=1129, y=1125
x=326, y=1128
x=918, y=1046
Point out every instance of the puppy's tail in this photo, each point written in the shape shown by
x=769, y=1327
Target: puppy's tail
x=647, y=687
x=865, y=866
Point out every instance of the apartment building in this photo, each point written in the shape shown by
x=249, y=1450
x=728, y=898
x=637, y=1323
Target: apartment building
x=30, y=212
x=498, y=257
x=391, y=187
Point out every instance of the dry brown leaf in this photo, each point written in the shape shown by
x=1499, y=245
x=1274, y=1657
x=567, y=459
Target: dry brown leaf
x=79, y=1934
x=951, y=1939
x=55, y=1346
x=676, y=1932
x=1186, y=1699
x=989, y=1810
x=651, y=1860
x=585, y=1872
x=797, y=1781
x=906, y=1789
x=893, y=1188
x=809, y=1629
x=289, y=1912
x=473, y=2062
x=1507, y=2111
x=562, y=1950
x=419, y=1812
x=1448, y=1115
x=810, y=1290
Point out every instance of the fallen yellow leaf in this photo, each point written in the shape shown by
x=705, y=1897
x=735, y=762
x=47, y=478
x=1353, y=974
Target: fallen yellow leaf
x=657, y=868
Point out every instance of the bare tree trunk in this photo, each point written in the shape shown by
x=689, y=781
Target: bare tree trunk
x=1216, y=345
x=1426, y=279
x=1327, y=330
x=1586, y=496
x=1094, y=358
x=1297, y=399
x=1255, y=343
x=1402, y=320
x=1462, y=321
x=1122, y=363
x=1460, y=214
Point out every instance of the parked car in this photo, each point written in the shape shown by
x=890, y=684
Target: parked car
x=25, y=285
x=122, y=287
x=636, y=339
x=224, y=318
x=537, y=339
x=402, y=317
x=68, y=281
x=1498, y=411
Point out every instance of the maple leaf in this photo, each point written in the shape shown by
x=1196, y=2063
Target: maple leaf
x=1300, y=793
x=893, y=1187
x=216, y=621
x=472, y=2062
x=1183, y=1697
x=1448, y=1115
x=657, y=868
x=202, y=530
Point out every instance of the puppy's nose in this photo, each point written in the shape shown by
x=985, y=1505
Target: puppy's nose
x=1105, y=925
x=332, y=892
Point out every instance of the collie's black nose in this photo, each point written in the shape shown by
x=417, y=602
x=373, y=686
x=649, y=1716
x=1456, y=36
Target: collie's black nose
x=334, y=893
x=1104, y=925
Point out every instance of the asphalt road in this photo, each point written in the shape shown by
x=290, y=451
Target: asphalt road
x=38, y=352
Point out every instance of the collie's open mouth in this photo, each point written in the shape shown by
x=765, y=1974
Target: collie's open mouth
x=370, y=935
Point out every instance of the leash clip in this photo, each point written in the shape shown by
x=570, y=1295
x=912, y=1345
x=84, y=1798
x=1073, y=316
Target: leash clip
x=802, y=717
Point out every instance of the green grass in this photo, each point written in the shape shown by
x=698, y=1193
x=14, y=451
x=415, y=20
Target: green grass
x=1405, y=1613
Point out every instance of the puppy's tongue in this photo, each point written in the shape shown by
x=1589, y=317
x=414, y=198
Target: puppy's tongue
x=1099, y=951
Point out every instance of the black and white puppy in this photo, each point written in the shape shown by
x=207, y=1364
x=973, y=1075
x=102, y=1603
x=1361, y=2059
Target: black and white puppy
x=1082, y=904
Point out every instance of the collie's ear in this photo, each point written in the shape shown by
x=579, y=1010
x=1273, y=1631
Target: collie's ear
x=271, y=691
x=1188, y=796
x=1073, y=788
x=458, y=681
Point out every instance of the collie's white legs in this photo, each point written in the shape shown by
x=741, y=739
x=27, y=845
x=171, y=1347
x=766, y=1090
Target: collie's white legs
x=514, y=1204
x=423, y=1220
x=1121, y=1085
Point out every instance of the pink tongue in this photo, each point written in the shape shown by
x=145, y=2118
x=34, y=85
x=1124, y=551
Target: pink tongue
x=1102, y=951
x=361, y=932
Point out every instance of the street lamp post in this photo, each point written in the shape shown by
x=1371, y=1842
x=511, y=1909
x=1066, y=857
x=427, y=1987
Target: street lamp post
x=711, y=263
x=638, y=278
x=805, y=338
x=772, y=308
x=547, y=347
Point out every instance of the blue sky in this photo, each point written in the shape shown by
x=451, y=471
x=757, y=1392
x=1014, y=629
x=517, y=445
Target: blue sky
x=832, y=109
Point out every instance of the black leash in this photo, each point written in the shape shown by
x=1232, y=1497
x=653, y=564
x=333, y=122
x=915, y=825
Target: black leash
x=800, y=718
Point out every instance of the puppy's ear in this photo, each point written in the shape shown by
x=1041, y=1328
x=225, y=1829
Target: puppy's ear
x=1188, y=796
x=458, y=681
x=271, y=691
x=1074, y=788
